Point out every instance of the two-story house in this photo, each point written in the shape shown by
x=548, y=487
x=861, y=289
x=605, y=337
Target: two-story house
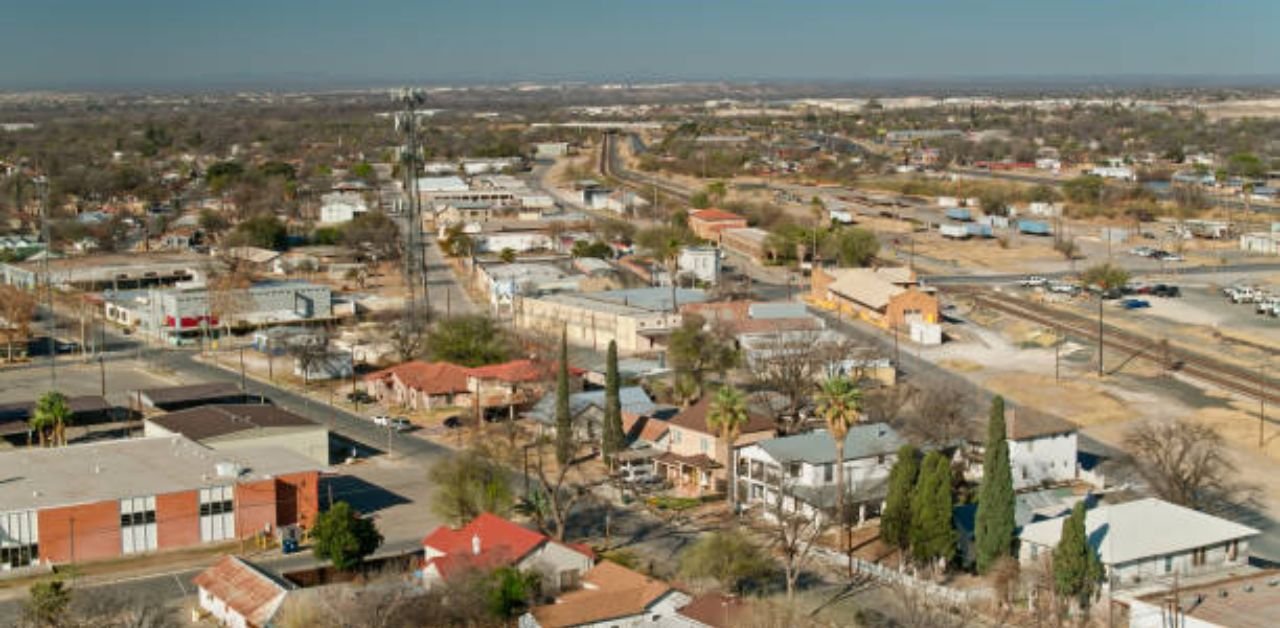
x=1042, y=450
x=804, y=468
x=490, y=542
x=696, y=459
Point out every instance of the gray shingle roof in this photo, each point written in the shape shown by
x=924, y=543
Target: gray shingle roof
x=633, y=399
x=817, y=447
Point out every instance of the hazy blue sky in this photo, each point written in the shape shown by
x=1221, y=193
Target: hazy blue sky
x=122, y=42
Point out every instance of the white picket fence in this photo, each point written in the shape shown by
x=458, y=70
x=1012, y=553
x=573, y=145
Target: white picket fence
x=893, y=576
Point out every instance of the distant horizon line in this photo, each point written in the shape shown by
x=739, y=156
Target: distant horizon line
x=320, y=83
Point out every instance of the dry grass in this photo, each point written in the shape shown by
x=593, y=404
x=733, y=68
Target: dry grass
x=960, y=365
x=1081, y=402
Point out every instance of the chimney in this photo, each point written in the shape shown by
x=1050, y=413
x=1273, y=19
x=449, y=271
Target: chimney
x=475, y=544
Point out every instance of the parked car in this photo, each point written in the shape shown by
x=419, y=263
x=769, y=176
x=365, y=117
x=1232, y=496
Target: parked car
x=1139, y=288
x=1242, y=294
x=381, y=420
x=1142, y=251
x=1063, y=287
x=1135, y=304
x=400, y=424
x=360, y=396
x=1167, y=291
x=1032, y=281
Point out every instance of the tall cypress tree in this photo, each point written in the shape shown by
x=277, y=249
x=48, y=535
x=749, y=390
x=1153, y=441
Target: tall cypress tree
x=1076, y=568
x=564, y=422
x=614, y=439
x=895, y=521
x=931, y=534
x=994, y=523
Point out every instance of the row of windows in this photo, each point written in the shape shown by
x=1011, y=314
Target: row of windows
x=19, y=555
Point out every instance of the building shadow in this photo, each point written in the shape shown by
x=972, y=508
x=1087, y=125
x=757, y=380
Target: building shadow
x=364, y=497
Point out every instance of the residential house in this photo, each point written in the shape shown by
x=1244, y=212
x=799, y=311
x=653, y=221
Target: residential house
x=586, y=409
x=518, y=383
x=708, y=223
x=798, y=472
x=639, y=320
x=613, y=596
x=420, y=385
x=700, y=263
x=340, y=207
x=696, y=457
x=491, y=542
x=236, y=593
x=256, y=258
x=888, y=297
x=1148, y=539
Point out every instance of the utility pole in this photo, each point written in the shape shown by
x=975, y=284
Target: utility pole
x=42, y=186
x=407, y=123
x=1100, y=343
x=1262, y=403
x=243, y=388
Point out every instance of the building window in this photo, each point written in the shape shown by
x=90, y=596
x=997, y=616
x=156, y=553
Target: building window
x=137, y=524
x=1168, y=564
x=217, y=513
x=19, y=541
x=880, y=460
x=705, y=445
x=828, y=472
x=1197, y=557
x=793, y=470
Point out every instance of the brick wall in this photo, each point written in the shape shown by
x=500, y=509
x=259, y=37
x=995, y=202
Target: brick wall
x=97, y=532
x=299, y=498
x=255, y=507
x=926, y=304
x=177, y=520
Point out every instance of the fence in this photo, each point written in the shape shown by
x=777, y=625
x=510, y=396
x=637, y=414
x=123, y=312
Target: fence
x=893, y=576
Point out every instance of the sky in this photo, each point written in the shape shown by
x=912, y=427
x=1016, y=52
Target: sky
x=136, y=43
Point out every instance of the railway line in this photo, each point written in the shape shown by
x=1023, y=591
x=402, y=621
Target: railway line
x=608, y=166
x=1247, y=382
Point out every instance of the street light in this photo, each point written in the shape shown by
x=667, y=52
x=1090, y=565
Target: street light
x=42, y=188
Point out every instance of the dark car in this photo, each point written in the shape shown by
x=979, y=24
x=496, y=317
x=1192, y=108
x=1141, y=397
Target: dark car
x=360, y=396
x=1166, y=291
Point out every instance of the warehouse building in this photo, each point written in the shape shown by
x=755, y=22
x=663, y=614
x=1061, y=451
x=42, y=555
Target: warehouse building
x=117, y=498
x=238, y=426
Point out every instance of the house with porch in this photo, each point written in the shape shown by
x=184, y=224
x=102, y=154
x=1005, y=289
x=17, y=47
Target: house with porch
x=420, y=385
x=804, y=467
x=696, y=458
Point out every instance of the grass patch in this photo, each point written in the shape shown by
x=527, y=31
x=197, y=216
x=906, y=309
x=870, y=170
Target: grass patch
x=676, y=504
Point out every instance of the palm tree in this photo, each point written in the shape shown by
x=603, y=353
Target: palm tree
x=726, y=417
x=50, y=419
x=839, y=404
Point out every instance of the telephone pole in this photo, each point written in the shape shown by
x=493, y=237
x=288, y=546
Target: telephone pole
x=42, y=187
x=415, y=256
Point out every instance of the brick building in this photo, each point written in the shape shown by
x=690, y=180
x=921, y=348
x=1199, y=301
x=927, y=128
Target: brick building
x=887, y=297
x=708, y=223
x=108, y=499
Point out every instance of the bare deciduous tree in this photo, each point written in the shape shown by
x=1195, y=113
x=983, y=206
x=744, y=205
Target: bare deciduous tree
x=795, y=535
x=557, y=493
x=17, y=310
x=944, y=412
x=1186, y=463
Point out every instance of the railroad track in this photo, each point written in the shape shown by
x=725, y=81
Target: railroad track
x=1248, y=382
x=642, y=183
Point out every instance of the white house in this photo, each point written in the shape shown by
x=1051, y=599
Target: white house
x=804, y=465
x=234, y=592
x=1148, y=539
x=518, y=241
x=339, y=207
x=1042, y=448
x=703, y=262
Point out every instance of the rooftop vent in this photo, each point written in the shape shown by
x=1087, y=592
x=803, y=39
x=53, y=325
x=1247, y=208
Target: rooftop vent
x=227, y=469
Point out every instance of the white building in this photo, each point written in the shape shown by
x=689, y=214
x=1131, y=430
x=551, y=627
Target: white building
x=1148, y=539
x=804, y=466
x=1122, y=173
x=1261, y=242
x=518, y=241
x=235, y=593
x=339, y=207
x=1042, y=448
x=703, y=262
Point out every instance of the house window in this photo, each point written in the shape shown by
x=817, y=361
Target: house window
x=793, y=470
x=19, y=545
x=137, y=524
x=828, y=472
x=880, y=459
x=1197, y=557
x=1035, y=551
x=1233, y=549
x=705, y=445
x=1168, y=564
x=569, y=579
x=678, y=435
x=217, y=513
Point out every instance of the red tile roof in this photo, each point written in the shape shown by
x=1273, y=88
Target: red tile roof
x=502, y=543
x=432, y=378
x=715, y=215
x=520, y=371
x=243, y=588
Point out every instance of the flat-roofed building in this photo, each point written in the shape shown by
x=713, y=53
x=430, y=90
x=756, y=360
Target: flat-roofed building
x=236, y=426
x=183, y=315
x=639, y=319
x=115, y=498
x=115, y=271
x=173, y=398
